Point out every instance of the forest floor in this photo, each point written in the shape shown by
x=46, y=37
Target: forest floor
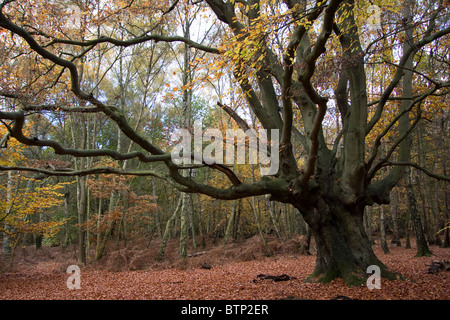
x=222, y=272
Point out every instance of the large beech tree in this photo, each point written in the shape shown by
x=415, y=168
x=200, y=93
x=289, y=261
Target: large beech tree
x=277, y=51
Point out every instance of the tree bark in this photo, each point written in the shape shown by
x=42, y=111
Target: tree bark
x=271, y=206
x=166, y=235
x=408, y=230
x=101, y=245
x=230, y=223
x=6, y=241
x=394, y=213
x=81, y=219
x=368, y=223
x=422, y=246
x=384, y=245
x=81, y=186
x=185, y=207
x=446, y=195
x=343, y=248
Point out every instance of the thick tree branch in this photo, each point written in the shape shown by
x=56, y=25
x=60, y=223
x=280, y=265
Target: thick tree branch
x=112, y=112
x=354, y=114
x=305, y=79
x=59, y=108
x=240, y=122
x=254, y=102
x=16, y=130
x=68, y=172
x=130, y=42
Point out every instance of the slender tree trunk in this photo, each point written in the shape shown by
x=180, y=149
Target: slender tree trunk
x=187, y=119
x=166, y=235
x=394, y=213
x=432, y=186
x=185, y=206
x=447, y=214
x=216, y=221
x=201, y=225
x=101, y=245
x=66, y=215
x=157, y=213
x=81, y=192
x=230, y=223
x=82, y=201
x=447, y=229
x=192, y=221
x=408, y=230
x=289, y=220
x=271, y=205
x=260, y=231
x=6, y=243
x=446, y=189
x=422, y=246
x=99, y=219
x=384, y=245
x=434, y=217
x=256, y=214
x=237, y=224
x=285, y=219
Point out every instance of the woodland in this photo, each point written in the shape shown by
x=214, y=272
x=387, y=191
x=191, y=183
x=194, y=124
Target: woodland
x=93, y=94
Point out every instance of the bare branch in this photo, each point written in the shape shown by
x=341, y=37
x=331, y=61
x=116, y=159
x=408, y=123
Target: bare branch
x=399, y=74
x=241, y=122
x=174, y=4
x=415, y=165
x=379, y=165
x=418, y=99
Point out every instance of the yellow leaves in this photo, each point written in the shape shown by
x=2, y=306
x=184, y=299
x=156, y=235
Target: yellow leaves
x=11, y=152
x=22, y=200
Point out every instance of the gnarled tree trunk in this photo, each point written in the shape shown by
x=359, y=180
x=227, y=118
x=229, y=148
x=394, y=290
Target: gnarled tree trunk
x=343, y=247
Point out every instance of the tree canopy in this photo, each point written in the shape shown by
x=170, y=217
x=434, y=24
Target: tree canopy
x=346, y=83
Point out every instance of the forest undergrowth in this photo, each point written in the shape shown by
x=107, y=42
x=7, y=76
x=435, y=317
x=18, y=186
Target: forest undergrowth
x=216, y=272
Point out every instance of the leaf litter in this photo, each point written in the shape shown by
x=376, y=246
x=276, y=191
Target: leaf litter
x=225, y=279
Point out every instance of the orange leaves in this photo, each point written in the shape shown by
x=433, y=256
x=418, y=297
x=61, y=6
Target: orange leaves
x=129, y=206
x=231, y=281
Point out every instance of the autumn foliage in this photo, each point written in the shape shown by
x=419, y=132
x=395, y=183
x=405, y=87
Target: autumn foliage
x=44, y=275
x=27, y=204
x=92, y=92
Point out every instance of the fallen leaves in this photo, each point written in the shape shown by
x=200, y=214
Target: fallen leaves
x=230, y=281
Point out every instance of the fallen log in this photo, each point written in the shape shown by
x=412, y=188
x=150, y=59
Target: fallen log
x=196, y=254
x=437, y=266
x=282, y=277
